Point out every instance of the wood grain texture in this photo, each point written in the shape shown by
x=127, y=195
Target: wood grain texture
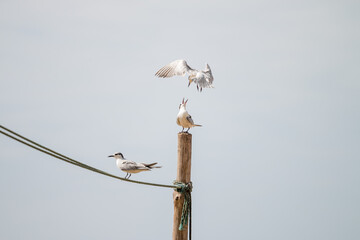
x=183, y=175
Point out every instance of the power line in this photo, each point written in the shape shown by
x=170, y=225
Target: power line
x=48, y=151
x=178, y=186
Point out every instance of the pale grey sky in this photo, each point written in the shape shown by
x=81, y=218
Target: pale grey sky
x=278, y=156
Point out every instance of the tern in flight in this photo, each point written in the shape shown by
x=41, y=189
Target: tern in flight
x=202, y=78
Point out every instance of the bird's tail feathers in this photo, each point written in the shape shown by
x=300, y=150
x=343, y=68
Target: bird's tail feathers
x=151, y=165
x=197, y=125
x=156, y=167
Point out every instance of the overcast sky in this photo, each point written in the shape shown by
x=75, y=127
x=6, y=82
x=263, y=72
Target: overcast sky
x=278, y=156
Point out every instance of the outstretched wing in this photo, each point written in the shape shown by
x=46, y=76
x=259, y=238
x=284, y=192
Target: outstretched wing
x=204, y=79
x=178, y=67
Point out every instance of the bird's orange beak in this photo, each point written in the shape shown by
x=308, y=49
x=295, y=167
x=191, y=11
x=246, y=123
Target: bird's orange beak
x=190, y=81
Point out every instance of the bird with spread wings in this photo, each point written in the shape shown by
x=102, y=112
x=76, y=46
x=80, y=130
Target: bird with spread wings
x=202, y=78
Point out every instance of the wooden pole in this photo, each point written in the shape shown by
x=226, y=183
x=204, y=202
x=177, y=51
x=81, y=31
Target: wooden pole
x=183, y=175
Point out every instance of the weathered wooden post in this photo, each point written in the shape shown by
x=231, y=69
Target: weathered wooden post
x=184, y=176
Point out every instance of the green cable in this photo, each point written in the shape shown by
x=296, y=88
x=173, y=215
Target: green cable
x=72, y=161
x=178, y=186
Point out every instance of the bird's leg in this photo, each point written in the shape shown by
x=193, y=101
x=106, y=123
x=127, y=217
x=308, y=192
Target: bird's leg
x=129, y=175
x=187, y=131
x=197, y=86
x=182, y=129
x=126, y=175
x=200, y=89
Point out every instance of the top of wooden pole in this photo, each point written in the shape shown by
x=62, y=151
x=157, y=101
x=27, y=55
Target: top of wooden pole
x=184, y=157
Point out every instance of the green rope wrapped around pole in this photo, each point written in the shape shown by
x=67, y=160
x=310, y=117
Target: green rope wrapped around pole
x=186, y=210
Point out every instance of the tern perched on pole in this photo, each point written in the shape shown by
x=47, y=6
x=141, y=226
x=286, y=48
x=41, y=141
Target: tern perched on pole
x=130, y=166
x=184, y=119
x=202, y=79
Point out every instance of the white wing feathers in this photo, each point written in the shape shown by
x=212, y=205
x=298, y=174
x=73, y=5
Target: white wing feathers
x=128, y=165
x=178, y=67
x=202, y=79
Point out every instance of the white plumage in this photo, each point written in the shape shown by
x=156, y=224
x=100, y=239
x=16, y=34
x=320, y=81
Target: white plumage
x=130, y=166
x=184, y=119
x=202, y=78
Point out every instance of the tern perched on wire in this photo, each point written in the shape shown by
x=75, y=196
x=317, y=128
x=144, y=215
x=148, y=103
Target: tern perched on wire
x=130, y=166
x=184, y=119
x=202, y=79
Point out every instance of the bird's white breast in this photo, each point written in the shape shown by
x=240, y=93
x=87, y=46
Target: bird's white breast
x=182, y=121
x=119, y=163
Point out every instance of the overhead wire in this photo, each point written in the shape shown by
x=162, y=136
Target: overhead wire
x=17, y=137
x=178, y=186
